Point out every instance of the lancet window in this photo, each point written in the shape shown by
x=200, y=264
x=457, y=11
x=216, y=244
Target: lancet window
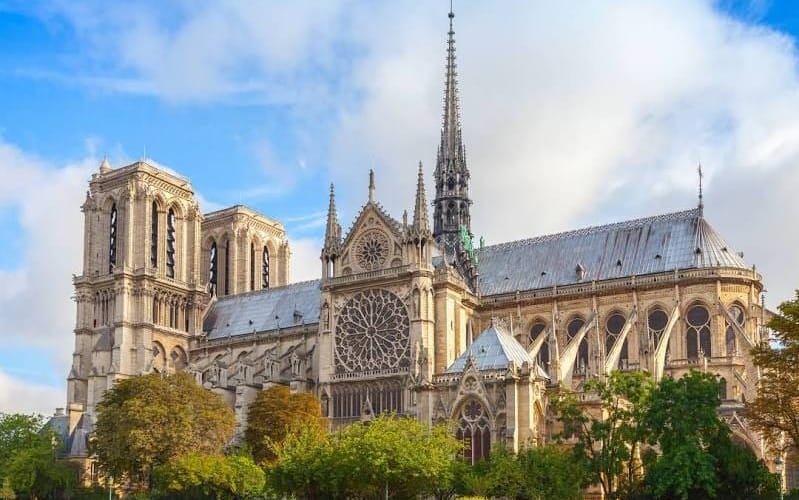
x=543, y=354
x=730, y=339
x=252, y=266
x=613, y=327
x=154, y=235
x=657, y=321
x=474, y=431
x=362, y=400
x=227, y=267
x=170, y=244
x=697, y=336
x=265, y=268
x=572, y=329
x=213, y=268
x=112, y=239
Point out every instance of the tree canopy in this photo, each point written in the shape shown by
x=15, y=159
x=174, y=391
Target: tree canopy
x=393, y=455
x=28, y=459
x=775, y=410
x=148, y=420
x=197, y=476
x=273, y=414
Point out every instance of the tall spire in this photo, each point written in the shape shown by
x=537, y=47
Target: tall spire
x=332, y=231
x=451, y=204
x=421, y=227
x=701, y=205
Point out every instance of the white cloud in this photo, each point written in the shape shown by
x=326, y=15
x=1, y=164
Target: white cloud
x=571, y=115
x=35, y=304
x=304, y=264
x=19, y=396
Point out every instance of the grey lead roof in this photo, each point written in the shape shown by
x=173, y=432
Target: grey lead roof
x=680, y=240
x=492, y=350
x=264, y=310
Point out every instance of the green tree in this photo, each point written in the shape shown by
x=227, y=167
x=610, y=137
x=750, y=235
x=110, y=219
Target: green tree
x=775, y=410
x=683, y=421
x=272, y=415
x=389, y=455
x=740, y=475
x=550, y=472
x=304, y=466
x=196, y=476
x=609, y=438
x=28, y=459
x=150, y=420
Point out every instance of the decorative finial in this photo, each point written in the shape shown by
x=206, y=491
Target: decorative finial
x=105, y=166
x=701, y=201
x=371, y=186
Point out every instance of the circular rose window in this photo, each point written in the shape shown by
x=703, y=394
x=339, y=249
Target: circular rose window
x=372, y=250
x=372, y=333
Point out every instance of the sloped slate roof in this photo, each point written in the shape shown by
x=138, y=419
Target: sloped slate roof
x=492, y=350
x=680, y=240
x=264, y=310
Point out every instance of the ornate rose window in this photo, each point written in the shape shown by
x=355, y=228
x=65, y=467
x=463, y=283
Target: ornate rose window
x=372, y=333
x=372, y=250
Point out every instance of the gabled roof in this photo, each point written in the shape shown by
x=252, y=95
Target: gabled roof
x=493, y=349
x=264, y=310
x=680, y=240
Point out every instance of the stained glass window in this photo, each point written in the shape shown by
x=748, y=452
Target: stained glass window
x=613, y=327
x=474, y=431
x=572, y=329
x=698, y=334
x=730, y=339
x=543, y=353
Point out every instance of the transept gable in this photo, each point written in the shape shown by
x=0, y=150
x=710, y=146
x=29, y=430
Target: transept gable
x=373, y=242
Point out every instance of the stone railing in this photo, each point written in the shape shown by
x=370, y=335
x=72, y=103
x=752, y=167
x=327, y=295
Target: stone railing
x=390, y=272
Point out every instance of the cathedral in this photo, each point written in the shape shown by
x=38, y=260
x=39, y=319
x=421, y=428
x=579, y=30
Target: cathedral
x=409, y=315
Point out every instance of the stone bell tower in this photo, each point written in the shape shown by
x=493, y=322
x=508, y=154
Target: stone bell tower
x=139, y=296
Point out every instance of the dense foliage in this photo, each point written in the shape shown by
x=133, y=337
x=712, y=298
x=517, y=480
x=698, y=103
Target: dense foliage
x=273, y=414
x=775, y=411
x=665, y=441
x=205, y=476
x=29, y=467
x=149, y=420
x=393, y=456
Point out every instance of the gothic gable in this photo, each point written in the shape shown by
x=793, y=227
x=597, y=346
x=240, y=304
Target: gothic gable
x=374, y=242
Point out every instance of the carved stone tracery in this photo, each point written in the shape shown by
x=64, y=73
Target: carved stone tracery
x=372, y=333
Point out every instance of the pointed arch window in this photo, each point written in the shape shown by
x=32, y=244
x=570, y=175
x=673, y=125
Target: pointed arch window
x=474, y=432
x=213, y=268
x=154, y=235
x=252, y=266
x=698, y=335
x=723, y=388
x=613, y=327
x=227, y=267
x=170, y=244
x=543, y=354
x=657, y=321
x=730, y=338
x=112, y=239
x=265, y=267
x=572, y=329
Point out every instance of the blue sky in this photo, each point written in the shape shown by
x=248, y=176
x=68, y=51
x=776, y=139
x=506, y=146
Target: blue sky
x=572, y=116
